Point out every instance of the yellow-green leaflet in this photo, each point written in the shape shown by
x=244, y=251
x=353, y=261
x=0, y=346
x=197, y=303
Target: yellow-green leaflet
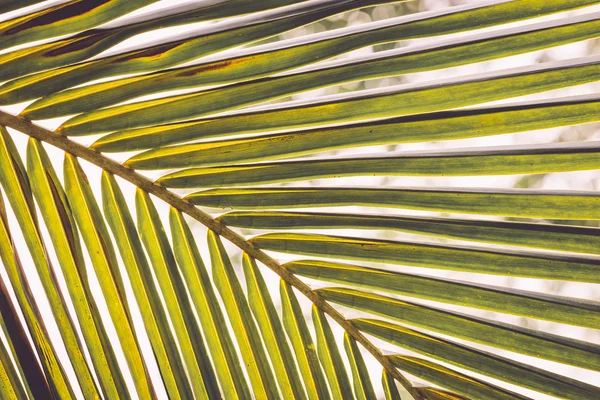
x=281, y=57
x=523, y=203
x=200, y=42
x=457, y=258
x=56, y=212
x=330, y=357
x=368, y=104
x=91, y=42
x=97, y=240
x=534, y=235
x=448, y=125
x=363, y=389
x=453, y=380
x=155, y=318
x=478, y=361
x=56, y=383
x=176, y=299
x=487, y=297
x=226, y=360
x=302, y=342
x=438, y=394
x=496, y=334
x=244, y=327
x=390, y=389
x=513, y=160
x=60, y=19
x=14, y=180
x=270, y=326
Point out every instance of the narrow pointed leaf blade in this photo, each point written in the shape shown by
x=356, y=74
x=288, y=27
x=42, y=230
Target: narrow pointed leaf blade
x=56, y=213
x=453, y=380
x=477, y=161
x=9, y=381
x=52, y=381
x=522, y=203
x=156, y=320
x=363, y=388
x=270, y=325
x=371, y=104
x=302, y=342
x=457, y=258
x=438, y=394
x=224, y=355
x=505, y=336
x=195, y=44
x=390, y=390
x=95, y=235
x=15, y=182
x=86, y=44
x=534, y=235
x=64, y=18
x=446, y=125
x=330, y=357
x=493, y=298
x=175, y=297
x=240, y=316
x=478, y=361
x=271, y=59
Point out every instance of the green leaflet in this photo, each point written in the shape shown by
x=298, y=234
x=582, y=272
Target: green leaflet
x=513, y=160
x=202, y=42
x=202, y=375
x=449, y=125
x=330, y=357
x=55, y=210
x=19, y=348
x=15, y=182
x=438, y=126
x=505, y=300
x=544, y=236
x=243, y=94
x=453, y=380
x=56, y=383
x=523, y=203
x=390, y=389
x=240, y=316
x=458, y=258
x=91, y=42
x=16, y=376
x=9, y=381
x=478, y=361
x=280, y=57
x=10, y=5
x=368, y=104
x=363, y=389
x=61, y=19
x=95, y=235
x=487, y=332
x=224, y=355
x=302, y=342
x=438, y=394
x=272, y=331
x=156, y=320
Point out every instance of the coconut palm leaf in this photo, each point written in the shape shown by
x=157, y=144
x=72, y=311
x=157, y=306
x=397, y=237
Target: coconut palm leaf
x=183, y=304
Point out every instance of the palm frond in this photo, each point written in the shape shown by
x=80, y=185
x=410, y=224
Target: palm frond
x=148, y=308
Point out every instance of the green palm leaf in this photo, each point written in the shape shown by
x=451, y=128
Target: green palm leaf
x=95, y=304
